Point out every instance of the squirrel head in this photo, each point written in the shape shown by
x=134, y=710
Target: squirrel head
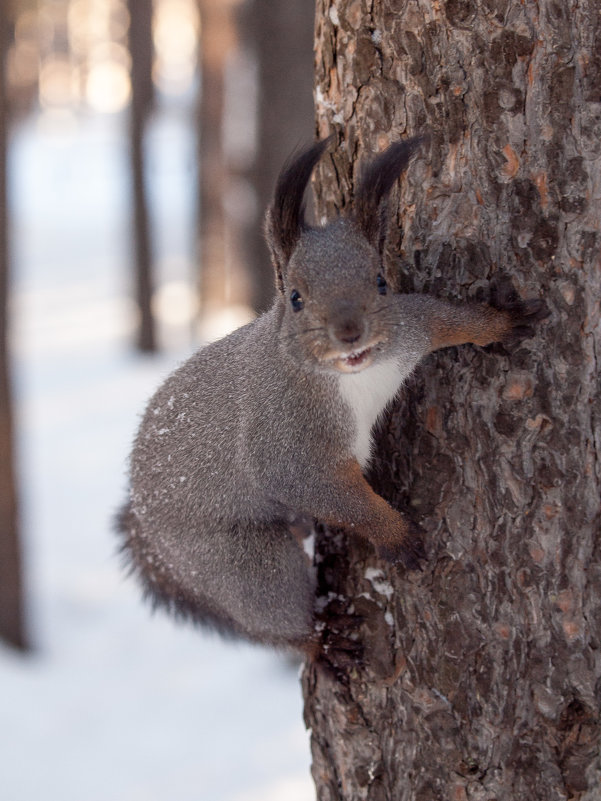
x=331, y=279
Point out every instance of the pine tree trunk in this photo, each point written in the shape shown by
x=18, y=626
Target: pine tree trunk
x=223, y=278
x=12, y=623
x=281, y=35
x=482, y=673
x=140, y=47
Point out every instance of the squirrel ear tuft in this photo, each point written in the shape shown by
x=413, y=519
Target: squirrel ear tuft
x=377, y=179
x=285, y=218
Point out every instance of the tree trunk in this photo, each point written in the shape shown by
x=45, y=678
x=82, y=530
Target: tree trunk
x=223, y=279
x=141, y=51
x=482, y=673
x=12, y=627
x=281, y=35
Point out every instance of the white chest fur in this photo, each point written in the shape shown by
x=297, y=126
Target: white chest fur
x=367, y=394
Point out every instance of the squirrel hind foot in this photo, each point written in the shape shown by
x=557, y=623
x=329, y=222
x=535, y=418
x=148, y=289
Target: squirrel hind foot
x=335, y=645
x=336, y=654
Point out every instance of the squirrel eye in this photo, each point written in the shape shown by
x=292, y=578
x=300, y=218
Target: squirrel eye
x=381, y=284
x=296, y=300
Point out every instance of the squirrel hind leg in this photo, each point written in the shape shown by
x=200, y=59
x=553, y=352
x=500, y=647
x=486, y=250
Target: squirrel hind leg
x=267, y=585
x=249, y=580
x=160, y=587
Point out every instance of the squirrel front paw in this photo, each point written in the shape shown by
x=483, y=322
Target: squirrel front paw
x=522, y=314
x=409, y=551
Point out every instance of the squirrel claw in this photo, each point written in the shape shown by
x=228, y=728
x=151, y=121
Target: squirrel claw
x=340, y=653
x=410, y=552
x=523, y=314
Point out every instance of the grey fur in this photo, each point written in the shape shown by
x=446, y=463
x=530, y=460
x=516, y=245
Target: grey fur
x=263, y=428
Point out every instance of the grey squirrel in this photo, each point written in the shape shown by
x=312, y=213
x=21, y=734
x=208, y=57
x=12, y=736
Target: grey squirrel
x=271, y=426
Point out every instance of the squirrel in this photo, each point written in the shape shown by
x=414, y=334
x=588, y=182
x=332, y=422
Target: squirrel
x=270, y=427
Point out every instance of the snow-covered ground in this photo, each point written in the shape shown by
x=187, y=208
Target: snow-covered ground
x=114, y=704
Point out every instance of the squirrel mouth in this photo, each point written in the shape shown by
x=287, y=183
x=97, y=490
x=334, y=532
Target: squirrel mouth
x=355, y=361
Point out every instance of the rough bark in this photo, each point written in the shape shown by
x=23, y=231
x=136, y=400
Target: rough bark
x=482, y=673
x=12, y=625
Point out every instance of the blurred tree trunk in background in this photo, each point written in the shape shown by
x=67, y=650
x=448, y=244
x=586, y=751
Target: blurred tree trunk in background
x=141, y=50
x=281, y=36
x=483, y=672
x=256, y=107
x=223, y=278
x=12, y=627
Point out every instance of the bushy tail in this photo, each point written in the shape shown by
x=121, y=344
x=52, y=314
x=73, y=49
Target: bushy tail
x=159, y=586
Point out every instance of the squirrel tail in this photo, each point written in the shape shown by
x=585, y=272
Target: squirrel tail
x=159, y=587
x=257, y=571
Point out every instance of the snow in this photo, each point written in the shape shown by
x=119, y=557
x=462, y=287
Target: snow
x=376, y=577
x=113, y=704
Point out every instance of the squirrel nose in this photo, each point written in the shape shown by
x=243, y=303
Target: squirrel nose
x=347, y=331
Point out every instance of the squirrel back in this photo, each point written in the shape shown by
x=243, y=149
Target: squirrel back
x=260, y=433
